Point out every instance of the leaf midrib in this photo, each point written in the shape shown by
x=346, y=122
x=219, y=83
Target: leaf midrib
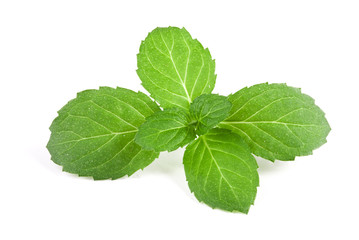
x=93, y=137
x=183, y=81
x=219, y=170
x=270, y=122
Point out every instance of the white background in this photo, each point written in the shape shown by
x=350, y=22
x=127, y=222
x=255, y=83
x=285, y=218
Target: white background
x=50, y=50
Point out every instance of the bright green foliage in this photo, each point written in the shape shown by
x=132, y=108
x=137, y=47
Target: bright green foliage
x=166, y=130
x=221, y=171
x=174, y=68
x=209, y=110
x=94, y=133
x=109, y=133
x=277, y=121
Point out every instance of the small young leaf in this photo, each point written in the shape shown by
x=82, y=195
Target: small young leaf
x=221, y=171
x=166, y=130
x=94, y=133
x=209, y=110
x=277, y=121
x=174, y=68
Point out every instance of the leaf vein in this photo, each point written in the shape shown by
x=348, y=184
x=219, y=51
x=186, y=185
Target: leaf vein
x=266, y=106
x=112, y=113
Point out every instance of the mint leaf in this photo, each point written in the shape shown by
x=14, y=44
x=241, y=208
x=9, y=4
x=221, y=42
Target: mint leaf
x=174, y=68
x=221, y=171
x=166, y=130
x=209, y=110
x=277, y=121
x=94, y=133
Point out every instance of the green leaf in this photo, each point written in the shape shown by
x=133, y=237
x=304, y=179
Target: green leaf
x=209, y=110
x=94, y=133
x=277, y=121
x=166, y=130
x=221, y=171
x=174, y=68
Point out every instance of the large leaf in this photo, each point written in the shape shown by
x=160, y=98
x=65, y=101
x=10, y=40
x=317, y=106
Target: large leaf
x=209, y=110
x=94, y=133
x=277, y=121
x=221, y=171
x=166, y=130
x=174, y=68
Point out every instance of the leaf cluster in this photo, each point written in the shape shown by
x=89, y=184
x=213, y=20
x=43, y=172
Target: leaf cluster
x=109, y=133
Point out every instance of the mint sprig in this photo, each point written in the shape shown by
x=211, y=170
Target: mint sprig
x=109, y=133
